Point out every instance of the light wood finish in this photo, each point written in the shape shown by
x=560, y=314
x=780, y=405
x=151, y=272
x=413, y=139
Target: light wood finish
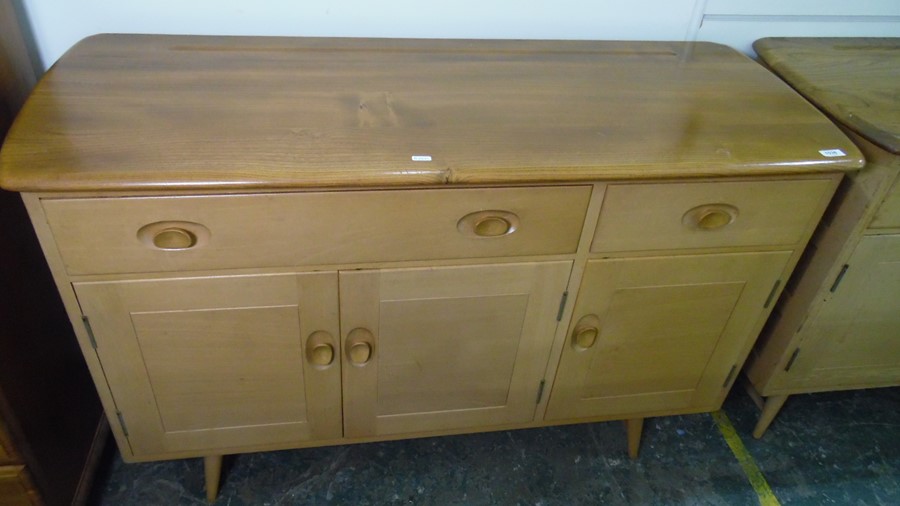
x=671, y=329
x=853, y=79
x=207, y=362
x=212, y=471
x=855, y=340
x=665, y=216
x=634, y=427
x=836, y=328
x=100, y=235
x=453, y=346
x=353, y=112
x=770, y=408
x=256, y=249
x=888, y=215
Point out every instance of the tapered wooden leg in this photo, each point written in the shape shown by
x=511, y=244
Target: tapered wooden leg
x=770, y=409
x=633, y=428
x=212, y=467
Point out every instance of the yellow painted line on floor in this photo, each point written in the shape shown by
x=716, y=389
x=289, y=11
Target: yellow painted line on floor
x=757, y=480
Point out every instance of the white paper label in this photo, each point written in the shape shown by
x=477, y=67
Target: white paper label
x=830, y=153
x=421, y=158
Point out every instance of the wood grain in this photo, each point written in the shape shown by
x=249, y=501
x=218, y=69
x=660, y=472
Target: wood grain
x=101, y=235
x=855, y=80
x=132, y=112
x=454, y=346
x=671, y=328
x=638, y=216
x=221, y=359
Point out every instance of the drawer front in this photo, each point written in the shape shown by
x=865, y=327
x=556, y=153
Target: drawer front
x=664, y=216
x=151, y=234
x=888, y=215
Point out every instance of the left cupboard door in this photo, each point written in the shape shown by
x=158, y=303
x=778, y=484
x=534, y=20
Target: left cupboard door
x=223, y=362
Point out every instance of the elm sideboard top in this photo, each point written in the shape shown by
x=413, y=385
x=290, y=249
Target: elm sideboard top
x=856, y=80
x=148, y=113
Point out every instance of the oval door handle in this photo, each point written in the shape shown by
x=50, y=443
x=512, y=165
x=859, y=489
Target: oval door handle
x=322, y=354
x=319, y=349
x=173, y=235
x=360, y=346
x=710, y=216
x=488, y=224
x=586, y=332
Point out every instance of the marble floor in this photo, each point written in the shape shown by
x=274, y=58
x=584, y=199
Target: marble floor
x=831, y=448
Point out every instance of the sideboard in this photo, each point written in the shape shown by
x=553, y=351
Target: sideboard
x=838, y=325
x=269, y=243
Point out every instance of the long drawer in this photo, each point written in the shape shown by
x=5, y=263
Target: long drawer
x=163, y=234
x=666, y=216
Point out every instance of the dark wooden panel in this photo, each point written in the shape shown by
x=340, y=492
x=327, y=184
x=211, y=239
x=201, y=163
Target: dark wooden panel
x=47, y=400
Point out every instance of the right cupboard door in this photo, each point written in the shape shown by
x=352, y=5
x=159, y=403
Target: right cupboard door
x=660, y=333
x=854, y=341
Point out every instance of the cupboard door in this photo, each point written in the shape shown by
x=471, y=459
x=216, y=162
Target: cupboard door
x=659, y=334
x=854, y=340
x=446, y=348
x=219, y=362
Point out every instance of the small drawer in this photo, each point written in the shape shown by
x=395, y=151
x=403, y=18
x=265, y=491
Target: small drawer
x=667, y=216
x=159, y=234
x=888, y=215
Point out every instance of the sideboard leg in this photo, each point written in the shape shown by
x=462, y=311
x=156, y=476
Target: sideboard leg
x=633, y=428
x=212, y=467
x=770, y=409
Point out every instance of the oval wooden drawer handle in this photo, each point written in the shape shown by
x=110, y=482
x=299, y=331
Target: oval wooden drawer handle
x=173, y=235
x=319, y=349
x=586, y=332
x=360, y=346
x=488, y=224
x=174, y=238
x=710, y=216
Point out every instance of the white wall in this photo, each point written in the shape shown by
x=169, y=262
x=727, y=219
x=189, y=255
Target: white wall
x=58, y=24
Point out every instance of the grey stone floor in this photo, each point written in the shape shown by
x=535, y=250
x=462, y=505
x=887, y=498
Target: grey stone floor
x=833, y=448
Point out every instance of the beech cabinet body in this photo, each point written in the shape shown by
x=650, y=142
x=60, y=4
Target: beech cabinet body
x=599, y=321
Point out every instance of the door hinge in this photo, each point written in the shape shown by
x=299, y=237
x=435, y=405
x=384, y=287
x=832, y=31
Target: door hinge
x=771, y=296
x=791, y=360
x=839, y=278
x=730, y=376
x=540, y=392
x=122, y=423
x=90, y=331
x=562, y=305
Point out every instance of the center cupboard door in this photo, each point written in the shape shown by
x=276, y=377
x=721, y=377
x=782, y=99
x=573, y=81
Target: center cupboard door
x=198, y=364
x=660, y=334
x=428, y=349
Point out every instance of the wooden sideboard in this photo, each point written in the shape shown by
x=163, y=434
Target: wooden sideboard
x=838, y=326
x=270, y=243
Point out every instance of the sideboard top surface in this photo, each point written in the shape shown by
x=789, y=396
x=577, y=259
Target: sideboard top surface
x=152, y=112
x=856, y=80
